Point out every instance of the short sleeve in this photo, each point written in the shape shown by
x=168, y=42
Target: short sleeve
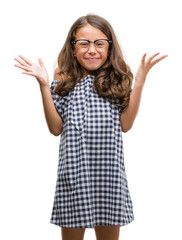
x=58, y=100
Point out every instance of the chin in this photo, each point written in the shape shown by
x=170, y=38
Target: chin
x=89, y=71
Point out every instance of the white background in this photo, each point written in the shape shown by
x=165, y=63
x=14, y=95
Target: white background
x=29, y=153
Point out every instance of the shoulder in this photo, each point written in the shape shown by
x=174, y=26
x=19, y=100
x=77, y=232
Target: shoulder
x=53, y=84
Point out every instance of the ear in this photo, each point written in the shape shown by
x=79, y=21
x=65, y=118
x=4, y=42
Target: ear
x=109, y=52
x=74, y=51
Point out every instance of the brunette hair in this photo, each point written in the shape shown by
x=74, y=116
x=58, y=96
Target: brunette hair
x=113, y=80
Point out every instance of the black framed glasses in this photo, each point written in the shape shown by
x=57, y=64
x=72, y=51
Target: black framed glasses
x=98, y=43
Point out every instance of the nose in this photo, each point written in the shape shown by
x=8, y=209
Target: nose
x=92, y=48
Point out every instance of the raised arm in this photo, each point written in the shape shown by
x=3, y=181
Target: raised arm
x=53, y=119
x=129, y=114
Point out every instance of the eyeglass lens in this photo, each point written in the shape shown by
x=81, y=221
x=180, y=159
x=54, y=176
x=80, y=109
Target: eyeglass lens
x=98, y=43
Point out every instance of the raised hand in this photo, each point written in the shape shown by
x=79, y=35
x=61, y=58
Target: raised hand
x=146, y=65
x=32, y=69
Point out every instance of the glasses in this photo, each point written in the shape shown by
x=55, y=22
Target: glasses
x=85, y=44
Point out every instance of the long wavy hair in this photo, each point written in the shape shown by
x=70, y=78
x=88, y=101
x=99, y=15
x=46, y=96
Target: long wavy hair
x=113, y=80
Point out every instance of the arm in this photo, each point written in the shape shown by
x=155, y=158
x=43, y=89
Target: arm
x=129, y=114
x=53, y=119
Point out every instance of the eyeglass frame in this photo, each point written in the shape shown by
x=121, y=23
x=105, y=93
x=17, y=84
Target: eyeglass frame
x=75, y=41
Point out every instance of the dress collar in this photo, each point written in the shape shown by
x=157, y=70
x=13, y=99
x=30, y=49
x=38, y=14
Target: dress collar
x=88, y=77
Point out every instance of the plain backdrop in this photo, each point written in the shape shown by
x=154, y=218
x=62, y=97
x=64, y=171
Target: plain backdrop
x=29, y=153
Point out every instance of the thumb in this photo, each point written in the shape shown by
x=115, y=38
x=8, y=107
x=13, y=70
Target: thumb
x=41, y=62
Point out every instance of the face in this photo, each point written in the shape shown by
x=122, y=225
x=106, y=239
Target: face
x=90, y=58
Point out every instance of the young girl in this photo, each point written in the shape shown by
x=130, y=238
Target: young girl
x=90, y=102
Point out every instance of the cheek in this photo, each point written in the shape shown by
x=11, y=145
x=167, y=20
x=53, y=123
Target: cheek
x=79, y=57
x=78, y=54
x=104, y=56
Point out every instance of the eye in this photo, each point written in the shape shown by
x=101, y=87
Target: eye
x=101, y=43
x=83, y=43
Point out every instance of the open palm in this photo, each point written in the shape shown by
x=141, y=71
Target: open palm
x=146, y=65
x=32, y=69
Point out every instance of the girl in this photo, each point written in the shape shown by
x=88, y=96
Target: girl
x=90, y=102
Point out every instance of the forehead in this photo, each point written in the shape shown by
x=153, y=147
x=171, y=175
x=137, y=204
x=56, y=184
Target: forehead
x=89, y=32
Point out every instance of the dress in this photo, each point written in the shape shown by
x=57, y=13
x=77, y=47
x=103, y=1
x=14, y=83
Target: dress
x=91, y=186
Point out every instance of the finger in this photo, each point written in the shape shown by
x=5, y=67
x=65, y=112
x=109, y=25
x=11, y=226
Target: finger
x=29, y=73
x=20, y=61
x=158, y=59
x=23, y=67
x=153, y=56
x=143, y=58
x=41, y=62
x=26, y=60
